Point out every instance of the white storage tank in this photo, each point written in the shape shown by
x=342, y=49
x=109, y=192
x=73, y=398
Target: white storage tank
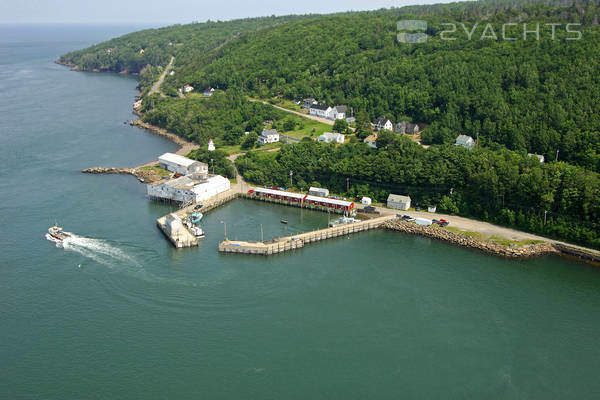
x=423, y=221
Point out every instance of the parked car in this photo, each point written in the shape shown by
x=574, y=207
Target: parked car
x=445, y=223
x=435, y=221
x=199, y=206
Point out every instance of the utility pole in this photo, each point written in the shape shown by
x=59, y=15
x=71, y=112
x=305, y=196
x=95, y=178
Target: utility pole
x=545, y=214
x=291, y=174
x=225, y=229
x=556, y=155
x=347, y=184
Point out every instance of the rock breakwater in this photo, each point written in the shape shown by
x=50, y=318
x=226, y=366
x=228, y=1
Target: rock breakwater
x=435, y=232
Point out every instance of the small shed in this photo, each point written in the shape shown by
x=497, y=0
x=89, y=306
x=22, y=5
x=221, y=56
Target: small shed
x=315, y=191
x=366, y=201
x=432, y=209
x=174, y=224
x=398, y=202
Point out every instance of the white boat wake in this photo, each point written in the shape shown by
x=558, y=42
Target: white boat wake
x=116, y=259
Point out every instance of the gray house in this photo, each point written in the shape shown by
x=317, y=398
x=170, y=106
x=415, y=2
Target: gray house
x=398, y=202
x=407, y=127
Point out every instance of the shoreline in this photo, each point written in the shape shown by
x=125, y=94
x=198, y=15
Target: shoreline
x=494, y=249
x=528, y=251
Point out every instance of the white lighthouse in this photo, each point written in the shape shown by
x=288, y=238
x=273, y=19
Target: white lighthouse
x=211, y=145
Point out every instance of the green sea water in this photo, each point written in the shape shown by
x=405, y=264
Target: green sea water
x=377, y=315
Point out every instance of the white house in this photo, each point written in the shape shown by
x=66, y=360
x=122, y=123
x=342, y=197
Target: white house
x=184, y=188
x=465, y=141
x=315, y=191
x=398, y=202
x=331, y=137
x=181, y=165
x=208, y=92
x=384, y=123
x=366, y=201
x=268, y=136
x=321, y=111
x=371, y=141
x=538, y=156
x=339, y=112
x=308, y=102
x=188, y=89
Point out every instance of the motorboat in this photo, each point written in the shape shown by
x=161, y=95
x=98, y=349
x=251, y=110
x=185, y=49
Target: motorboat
x=196, y=217
x=57, y=234
x=198, y=232
x=343, y=221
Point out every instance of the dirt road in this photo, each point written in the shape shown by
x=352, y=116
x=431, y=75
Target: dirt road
x=156, y=87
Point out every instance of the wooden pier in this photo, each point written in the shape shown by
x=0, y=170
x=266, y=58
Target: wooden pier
x=279, y=245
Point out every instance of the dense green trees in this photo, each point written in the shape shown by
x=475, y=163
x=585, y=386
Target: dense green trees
x=493, y=184
x=224, y=117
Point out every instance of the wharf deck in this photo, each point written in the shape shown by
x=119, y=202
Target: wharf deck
x=185, y=238
x=293, y=242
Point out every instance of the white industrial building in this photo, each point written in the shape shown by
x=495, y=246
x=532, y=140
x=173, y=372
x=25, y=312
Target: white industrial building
x=398, y=202
x=315, y=191
x=331, y=137
x=186, y=189
x=181, y=165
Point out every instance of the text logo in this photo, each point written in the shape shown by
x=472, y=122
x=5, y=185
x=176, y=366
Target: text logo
x=412, y=25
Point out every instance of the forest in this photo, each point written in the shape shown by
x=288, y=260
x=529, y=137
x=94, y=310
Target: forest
x=492, y=184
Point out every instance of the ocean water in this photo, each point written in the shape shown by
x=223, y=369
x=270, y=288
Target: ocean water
x=120, y=313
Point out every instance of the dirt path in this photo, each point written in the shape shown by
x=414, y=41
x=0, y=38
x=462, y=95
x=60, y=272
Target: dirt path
x=156, y=87
x=315, y=118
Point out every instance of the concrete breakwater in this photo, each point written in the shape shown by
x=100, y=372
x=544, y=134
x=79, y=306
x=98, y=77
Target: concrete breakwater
x=496, y=249
x=282, y=244
x=146, y=176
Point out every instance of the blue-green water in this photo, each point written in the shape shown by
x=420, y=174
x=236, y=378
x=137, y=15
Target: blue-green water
x=377, y=315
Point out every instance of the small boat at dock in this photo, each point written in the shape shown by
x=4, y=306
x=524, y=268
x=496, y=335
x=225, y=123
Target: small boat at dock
x=196, y=217
x=198, y=232
x=343, y=221
x=283, y=221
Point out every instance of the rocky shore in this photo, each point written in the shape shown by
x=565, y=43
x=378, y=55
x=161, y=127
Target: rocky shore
x=162, y=132
x=496, y=249
x=145, y=176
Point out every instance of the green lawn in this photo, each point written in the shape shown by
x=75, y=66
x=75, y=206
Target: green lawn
x=158, y=170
